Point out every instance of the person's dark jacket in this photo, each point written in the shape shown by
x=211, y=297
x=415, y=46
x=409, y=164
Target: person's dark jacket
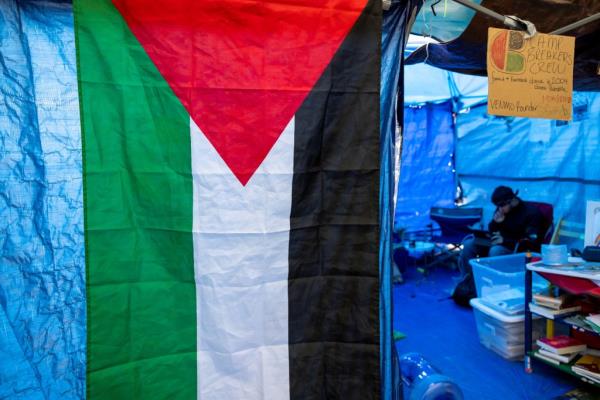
x=525, y=221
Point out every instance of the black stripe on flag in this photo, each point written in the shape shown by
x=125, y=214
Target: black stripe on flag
x=334, y=240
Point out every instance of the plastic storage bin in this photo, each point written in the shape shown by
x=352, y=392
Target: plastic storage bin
x=503, y=273
x=501, y=333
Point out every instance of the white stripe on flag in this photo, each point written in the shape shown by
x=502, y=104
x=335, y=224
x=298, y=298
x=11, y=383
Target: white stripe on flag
x=241, y=246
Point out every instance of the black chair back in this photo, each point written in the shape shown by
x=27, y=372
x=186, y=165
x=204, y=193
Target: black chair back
x=455, y=222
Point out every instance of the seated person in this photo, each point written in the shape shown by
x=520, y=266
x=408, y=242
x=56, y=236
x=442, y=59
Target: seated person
x=514, y=221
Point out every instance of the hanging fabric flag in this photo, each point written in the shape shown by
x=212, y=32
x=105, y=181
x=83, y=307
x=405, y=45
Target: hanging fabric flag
x=231, y=180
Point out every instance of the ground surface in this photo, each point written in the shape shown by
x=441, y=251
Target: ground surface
x=447, y=336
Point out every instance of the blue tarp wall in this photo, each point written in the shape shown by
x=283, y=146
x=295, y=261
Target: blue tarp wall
x=546, y=160
x=394, y=35
x=42, y=273
x=427, y=172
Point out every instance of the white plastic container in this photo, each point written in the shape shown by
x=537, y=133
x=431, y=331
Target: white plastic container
x=502, y=273
x=501, y=333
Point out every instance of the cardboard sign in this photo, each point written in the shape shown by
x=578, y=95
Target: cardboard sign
x=530, y=77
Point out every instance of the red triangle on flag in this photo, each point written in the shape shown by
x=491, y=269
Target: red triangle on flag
x=241, y=68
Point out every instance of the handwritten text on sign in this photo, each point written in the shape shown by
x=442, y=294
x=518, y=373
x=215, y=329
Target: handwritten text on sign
x=530, y=77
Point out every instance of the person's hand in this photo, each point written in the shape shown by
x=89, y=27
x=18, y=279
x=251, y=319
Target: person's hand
x=497, y=238
x=498, y=215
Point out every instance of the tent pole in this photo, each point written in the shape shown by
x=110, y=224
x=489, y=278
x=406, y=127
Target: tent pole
x=515, y=24
x=506, y=20
x=576, y=24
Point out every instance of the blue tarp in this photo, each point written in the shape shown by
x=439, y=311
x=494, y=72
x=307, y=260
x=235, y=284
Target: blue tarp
x=427, y=175
x=444, y=20
x=42, y=279
x=550, y=161
x=464, y=90
x=393, y=39
x=467, y=53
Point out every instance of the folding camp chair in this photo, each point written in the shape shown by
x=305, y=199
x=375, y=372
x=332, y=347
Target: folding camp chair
x=454, y=225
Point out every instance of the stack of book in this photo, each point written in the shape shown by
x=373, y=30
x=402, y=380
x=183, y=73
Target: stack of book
x=552, y=307
x=559, y=349
x=588, y=367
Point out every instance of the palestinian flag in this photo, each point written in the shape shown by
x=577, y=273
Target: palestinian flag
x=231, y=183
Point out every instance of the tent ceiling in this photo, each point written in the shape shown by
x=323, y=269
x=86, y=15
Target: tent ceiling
x=467, y=53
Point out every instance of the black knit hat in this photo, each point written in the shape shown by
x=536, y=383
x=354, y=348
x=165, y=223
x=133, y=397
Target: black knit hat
x=503, y=194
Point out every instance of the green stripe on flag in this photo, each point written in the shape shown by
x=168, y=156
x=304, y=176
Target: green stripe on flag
x=138, y=209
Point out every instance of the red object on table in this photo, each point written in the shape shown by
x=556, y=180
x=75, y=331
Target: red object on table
x=573, y=285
